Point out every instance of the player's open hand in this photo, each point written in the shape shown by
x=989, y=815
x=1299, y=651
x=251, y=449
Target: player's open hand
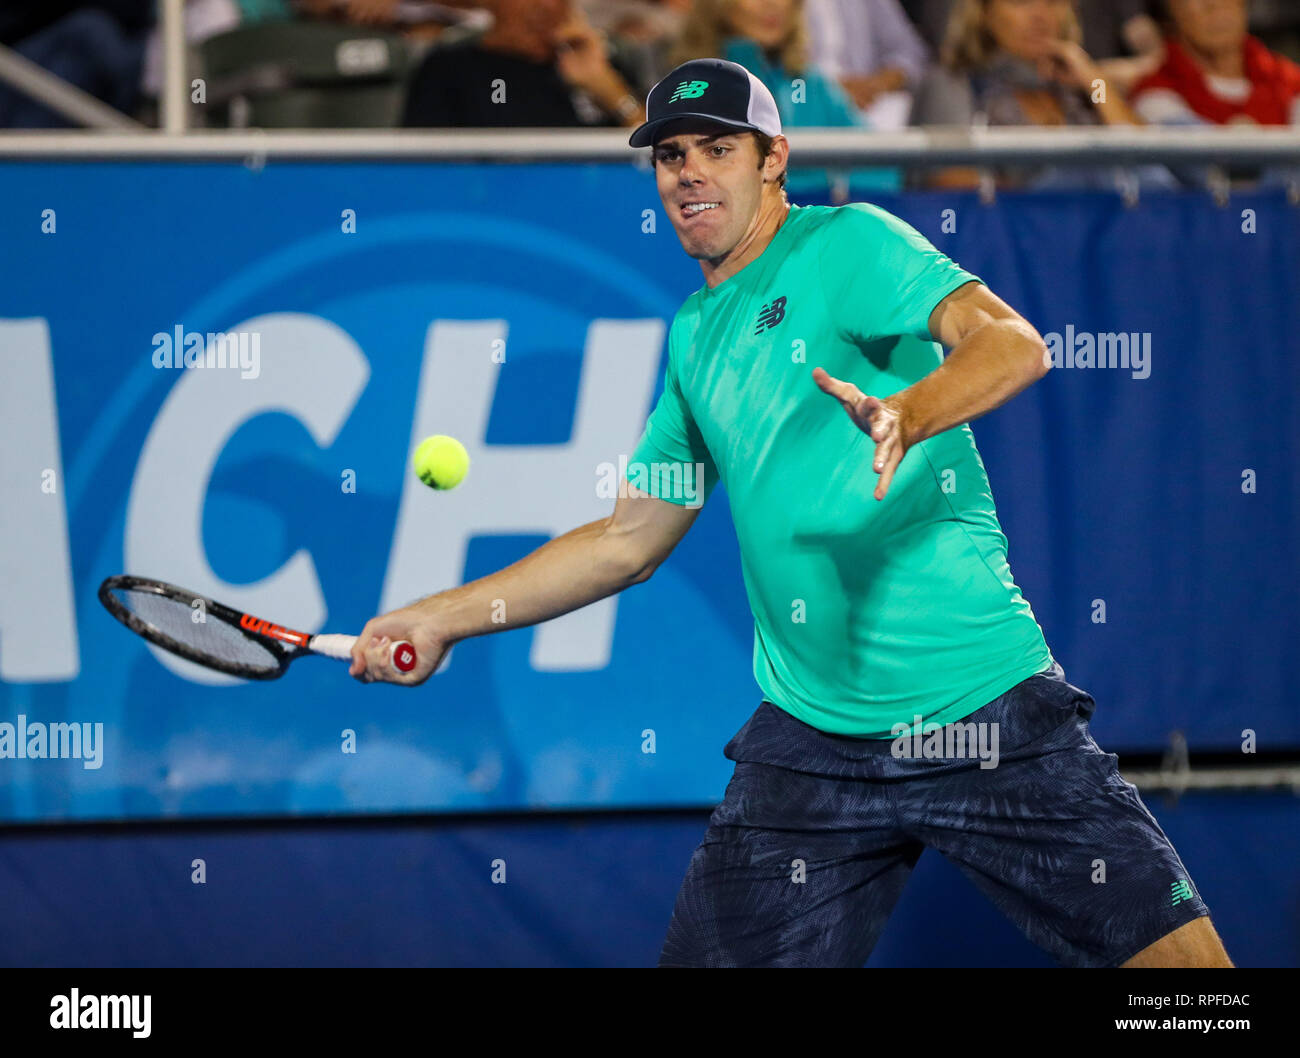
x=882, y=419
x=372, y=660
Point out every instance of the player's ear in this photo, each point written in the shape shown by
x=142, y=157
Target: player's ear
x=778, y=156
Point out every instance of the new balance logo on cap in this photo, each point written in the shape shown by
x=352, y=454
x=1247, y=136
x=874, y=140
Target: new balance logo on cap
x=688, y=90
x=724, y=93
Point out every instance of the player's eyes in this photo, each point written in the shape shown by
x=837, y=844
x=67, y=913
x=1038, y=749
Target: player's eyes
x=717, y=150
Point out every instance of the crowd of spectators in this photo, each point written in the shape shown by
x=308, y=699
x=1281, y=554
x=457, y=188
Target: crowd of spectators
x=869, y=64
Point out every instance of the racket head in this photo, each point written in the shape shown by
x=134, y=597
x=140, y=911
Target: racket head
x=163, y=614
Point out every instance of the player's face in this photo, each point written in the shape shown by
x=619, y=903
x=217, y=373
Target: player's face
x=711, y=185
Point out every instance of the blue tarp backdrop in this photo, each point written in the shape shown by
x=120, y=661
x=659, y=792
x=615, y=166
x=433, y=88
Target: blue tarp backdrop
x=590, y=890
x=1151, y=508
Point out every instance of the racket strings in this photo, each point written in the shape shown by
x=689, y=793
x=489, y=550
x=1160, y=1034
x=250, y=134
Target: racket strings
x=211, y=636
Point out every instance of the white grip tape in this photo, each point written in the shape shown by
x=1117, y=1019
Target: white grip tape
x=334, y=646
x=340, y=648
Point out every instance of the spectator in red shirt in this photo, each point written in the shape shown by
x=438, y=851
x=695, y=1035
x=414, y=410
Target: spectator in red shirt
x=1216, y=73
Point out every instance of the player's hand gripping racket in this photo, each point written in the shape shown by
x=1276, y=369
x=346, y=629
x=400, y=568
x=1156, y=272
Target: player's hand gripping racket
x=204, y=631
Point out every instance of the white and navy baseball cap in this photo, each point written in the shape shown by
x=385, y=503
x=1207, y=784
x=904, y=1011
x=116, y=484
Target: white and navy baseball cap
x=721, y=91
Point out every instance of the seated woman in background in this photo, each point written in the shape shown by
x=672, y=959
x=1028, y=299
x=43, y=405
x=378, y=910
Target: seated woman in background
x=1019, y=63
x=873, y=51
x=769, y=38
x=1216, y=73
x=1123, y=37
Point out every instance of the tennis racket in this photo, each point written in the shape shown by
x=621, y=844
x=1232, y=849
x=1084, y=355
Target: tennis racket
x=204, y=631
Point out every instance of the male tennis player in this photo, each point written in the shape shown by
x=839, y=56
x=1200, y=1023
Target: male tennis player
x=879, y=599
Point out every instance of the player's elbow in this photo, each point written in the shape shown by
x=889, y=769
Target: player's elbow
x=638, y=565
x=1042, y=360
x=1037, y=357
x=625, y=557
x=637, y=576
x=1037, y=354
x=645, y=571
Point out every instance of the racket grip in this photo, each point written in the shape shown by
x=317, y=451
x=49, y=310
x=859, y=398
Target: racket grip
x=338, y=647
x=401, y=655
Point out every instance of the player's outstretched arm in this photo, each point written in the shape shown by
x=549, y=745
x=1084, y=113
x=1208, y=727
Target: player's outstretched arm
x=586, y=564
x=995, y=354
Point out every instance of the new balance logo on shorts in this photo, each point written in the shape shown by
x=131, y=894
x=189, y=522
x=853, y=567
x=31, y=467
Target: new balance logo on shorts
x=770, y=315
x=688, y=90
x=1181, y=891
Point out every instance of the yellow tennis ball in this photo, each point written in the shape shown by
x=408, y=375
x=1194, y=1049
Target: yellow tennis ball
x=441, y=462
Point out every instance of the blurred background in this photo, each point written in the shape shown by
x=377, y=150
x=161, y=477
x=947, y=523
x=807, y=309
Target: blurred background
x=428, y=217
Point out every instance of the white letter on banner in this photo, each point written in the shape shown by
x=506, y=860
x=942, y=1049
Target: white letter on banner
x=311, y=369
x=524, y=489
x=38, y=623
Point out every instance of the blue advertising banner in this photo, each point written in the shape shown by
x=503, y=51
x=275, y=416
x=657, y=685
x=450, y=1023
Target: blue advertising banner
x=347, y=310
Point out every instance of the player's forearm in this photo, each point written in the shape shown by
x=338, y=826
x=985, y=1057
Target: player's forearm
x=564, y=574
x=982, y=372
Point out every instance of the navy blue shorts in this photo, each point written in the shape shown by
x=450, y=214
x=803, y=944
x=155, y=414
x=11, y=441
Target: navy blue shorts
x=807, y=855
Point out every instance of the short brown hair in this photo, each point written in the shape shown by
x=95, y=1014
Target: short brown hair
x=764, y=144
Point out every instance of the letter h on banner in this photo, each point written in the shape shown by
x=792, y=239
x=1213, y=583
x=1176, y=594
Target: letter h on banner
x=534, y=489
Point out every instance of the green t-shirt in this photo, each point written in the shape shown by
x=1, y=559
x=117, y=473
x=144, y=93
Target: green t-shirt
x=867, y=613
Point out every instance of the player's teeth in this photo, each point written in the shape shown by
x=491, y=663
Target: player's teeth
x=699, y=207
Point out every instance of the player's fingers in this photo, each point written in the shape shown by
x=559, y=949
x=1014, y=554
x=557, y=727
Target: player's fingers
x=370, y=653
x=868, y=412
x=368, y=637
x=358, y=666
x=884, y=452
x=887, y=475
x=377, y=666
x=843, y=391
x=360, y=670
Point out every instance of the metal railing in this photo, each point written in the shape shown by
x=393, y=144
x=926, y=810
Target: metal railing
x=814, y=147
x=1177, y=781
x=114, y=135
x=59, y=95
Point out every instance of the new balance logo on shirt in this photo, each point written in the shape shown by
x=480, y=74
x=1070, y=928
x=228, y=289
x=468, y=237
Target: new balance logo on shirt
x=770, y=315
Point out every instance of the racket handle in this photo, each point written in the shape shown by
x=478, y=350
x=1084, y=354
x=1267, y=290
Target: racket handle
x=333, y=646
x=401, y=656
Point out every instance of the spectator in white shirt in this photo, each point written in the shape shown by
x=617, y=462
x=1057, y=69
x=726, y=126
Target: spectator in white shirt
x=871, y=48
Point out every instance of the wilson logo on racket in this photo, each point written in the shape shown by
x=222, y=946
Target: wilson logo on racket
x=266, y=628
x=404, y=657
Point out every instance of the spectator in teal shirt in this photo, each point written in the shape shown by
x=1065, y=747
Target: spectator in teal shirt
x=771, y=41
